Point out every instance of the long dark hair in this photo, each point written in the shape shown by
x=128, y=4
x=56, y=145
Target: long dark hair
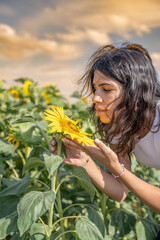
x=131, y=65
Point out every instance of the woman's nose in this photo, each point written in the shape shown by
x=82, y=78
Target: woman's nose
x=97, y=99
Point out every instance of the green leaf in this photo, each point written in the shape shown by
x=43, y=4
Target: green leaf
x=146, y=229
x=80, y=106
x=94, y=216
x=75, y=94
x=16, y=236
x=57, y=233
x=52, y=162
x=122, y=222
x=23, y=120
x=87, y=230
x=9, y=181
x=37, y=232
x=31, y=136
x=32, y=163
x=1, y=166
x=140, y=230
x=28, y=134
x=8, y=225
x=37, y=151
x=6, y=148
x=84, y=180
x=107, y=237
x=2, y=124
x=16, y=188
x=22, y=80
x=31, y=207
x=8, y=205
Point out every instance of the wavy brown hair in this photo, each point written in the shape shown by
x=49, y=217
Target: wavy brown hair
x=131, y=65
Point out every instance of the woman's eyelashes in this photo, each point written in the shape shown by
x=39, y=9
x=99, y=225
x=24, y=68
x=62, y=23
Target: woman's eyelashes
x=106, y=90
x=103, y=89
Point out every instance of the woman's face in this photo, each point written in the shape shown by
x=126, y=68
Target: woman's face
x=108, y=94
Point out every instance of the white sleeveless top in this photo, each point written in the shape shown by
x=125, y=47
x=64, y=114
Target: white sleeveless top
x=147, y=150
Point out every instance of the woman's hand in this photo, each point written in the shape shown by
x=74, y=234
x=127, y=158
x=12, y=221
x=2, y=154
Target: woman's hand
x=53, y=147
x=100, y=152
x=74, y=155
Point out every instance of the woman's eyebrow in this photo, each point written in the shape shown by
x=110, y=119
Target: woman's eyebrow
x=103, y=84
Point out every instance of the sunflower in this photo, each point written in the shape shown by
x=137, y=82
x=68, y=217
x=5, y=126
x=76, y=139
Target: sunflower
x=15, y=93
x=85, y=100
x=46, y=97
x=26, y=85
x=14, y=140
x=50, y=85
x=62, y=124
x=11, y=138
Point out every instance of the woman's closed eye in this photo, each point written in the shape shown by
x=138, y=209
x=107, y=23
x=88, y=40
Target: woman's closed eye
x=107, y=90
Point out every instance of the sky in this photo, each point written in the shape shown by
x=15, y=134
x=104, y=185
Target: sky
x=51, y=41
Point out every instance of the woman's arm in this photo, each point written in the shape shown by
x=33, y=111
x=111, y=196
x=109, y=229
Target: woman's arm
x=146, y=192
x=106, y=182
x=103, y=180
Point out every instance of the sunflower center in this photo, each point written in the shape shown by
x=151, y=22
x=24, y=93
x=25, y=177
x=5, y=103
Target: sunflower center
x=69, y=126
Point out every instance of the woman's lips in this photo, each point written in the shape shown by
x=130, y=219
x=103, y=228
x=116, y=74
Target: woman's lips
x=98, y=110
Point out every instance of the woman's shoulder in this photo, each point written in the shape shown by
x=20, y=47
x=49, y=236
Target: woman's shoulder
x=156, y=123
x=147, y=150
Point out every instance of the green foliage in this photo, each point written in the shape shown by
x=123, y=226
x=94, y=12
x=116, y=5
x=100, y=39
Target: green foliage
x=16, y=187
x=32, y=206
x=52, y=162
x=86, y=230
x=41, y=198
x=84, y=180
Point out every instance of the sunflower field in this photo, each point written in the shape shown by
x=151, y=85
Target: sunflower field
x=43, y=198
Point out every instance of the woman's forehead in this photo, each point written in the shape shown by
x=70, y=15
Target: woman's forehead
x=100, y=78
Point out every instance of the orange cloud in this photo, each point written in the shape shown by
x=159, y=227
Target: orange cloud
x=103, y=17
x=14, y=46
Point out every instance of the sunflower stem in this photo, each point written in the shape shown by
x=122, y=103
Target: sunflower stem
x=22, y=157
x=55, y=179
x=59, y=147
x=44, y=226
x=50, y=217
x=60, y=210
x=12, y=168
x=59, y=202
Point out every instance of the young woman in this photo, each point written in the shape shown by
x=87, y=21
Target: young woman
x=126, y=99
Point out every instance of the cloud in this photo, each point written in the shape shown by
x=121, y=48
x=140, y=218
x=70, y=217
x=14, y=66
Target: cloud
x=63, y=75
x=24, y=45
x=47, y=44
x=88, y=34
x=6, y=10
x=101, y=17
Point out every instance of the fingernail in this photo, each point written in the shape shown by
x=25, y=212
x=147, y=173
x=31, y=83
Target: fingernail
x=97, y=141
x=51, y=149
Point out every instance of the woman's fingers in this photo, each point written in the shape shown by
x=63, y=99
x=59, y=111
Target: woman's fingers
x=106, y=150
x=53, y=150
x=70, y=161
x=91, y=150
x=99, y=152
x=53, y=142
x=71, y=143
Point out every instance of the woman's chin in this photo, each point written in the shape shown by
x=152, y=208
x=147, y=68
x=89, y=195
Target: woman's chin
x=105, y=120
